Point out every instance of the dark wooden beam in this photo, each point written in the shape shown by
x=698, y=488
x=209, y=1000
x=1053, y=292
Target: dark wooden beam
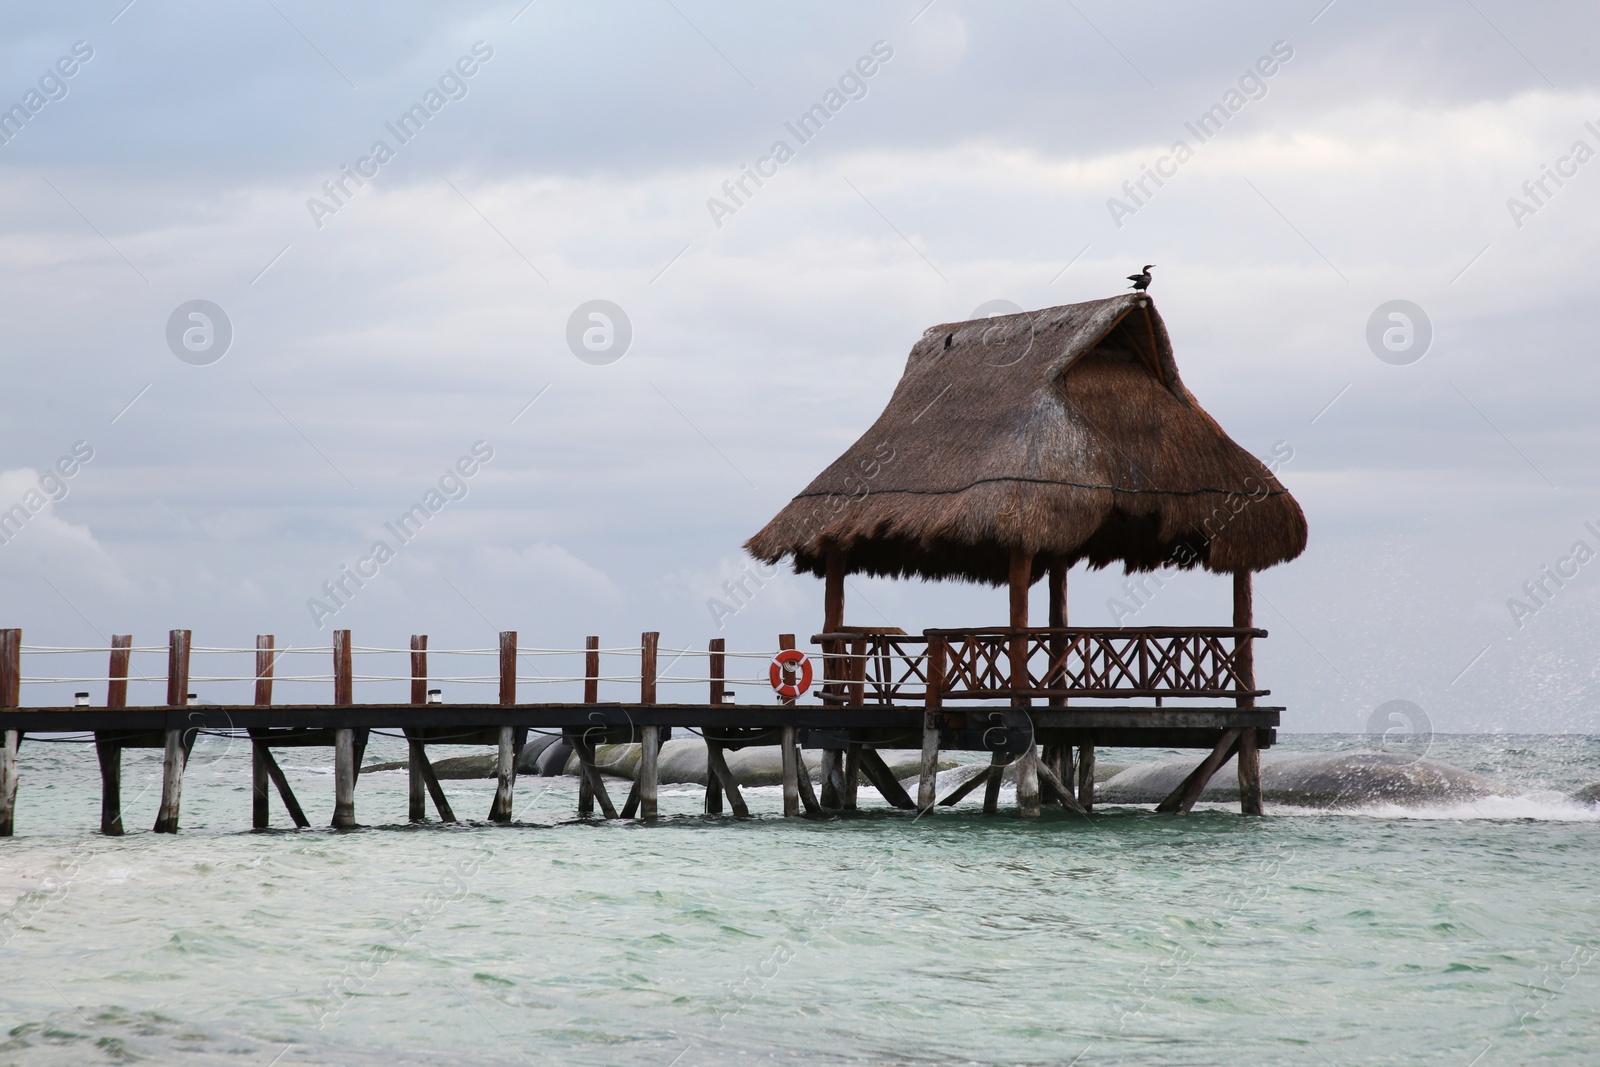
x=968, y=786
x=883, y=779
x=1183, y=798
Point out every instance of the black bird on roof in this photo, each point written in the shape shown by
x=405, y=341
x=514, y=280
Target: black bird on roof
x=1141, y=281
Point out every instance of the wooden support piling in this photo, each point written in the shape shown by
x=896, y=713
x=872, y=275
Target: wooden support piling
x=423, y=769
x=883, y=779
x=416, y=752
x=971, y=784
x=717, y=764
x=175, y=753
x=1086, y=777
x=1020, y=579
x=928, y=781
x=344, y=745
x=1249, y=761
x=591, y=775
x=1183, y=798
x=788, y=740
x=1054, y=786
x=835, y=673
x=10, y=697
x=506, y=762
x=831, y=772
x=108, y=748
x=650, y=737
x=591, y=695
x=717, y=672
x=852, y=776
x=260, y=797
x=991, y=788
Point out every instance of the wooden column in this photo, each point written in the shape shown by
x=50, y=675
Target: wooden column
x=650, y=736
x=788, y=739
x=856, y=674
x=175, y=753
x=506, y=761
x=260, y=780
x=344, y=741
x=1086, y=777
x=717, y=662
x=109, y=748
x=1028, y=763
x=1057, y=755
x=10, y=697
x=927, y=783
x=1249, y=757
x=416, y=752
x=591, y=695
x=834, y=671
x=833, y=592
x=423, y=782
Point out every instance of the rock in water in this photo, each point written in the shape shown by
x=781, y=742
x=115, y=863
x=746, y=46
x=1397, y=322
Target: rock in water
x=1314, y=780
x=544, y=755
x=456, y=767
x=1589, y=795
x=683, y=762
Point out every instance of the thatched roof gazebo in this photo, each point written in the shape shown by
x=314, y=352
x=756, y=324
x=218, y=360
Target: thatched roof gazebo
x=1016, y=446
x=1064, y=434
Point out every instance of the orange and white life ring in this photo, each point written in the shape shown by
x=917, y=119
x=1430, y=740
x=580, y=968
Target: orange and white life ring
x=799, y=664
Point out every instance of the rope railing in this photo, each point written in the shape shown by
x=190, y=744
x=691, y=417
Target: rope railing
x=130, y=665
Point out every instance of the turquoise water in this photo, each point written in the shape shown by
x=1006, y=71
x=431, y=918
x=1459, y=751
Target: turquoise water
x=1302, y=938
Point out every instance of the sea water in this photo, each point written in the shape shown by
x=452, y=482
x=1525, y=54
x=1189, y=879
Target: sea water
x=1454, y=936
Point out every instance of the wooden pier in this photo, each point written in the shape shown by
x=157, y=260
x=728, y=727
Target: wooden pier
x=997, y=691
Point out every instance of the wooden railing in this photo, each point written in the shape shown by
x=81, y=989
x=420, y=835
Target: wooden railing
x=1061, y=662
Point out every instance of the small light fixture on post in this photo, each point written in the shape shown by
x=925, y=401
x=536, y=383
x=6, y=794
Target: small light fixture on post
x=80, y=700
x=436, y=696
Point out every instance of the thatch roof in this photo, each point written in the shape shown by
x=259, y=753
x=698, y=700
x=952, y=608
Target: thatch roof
x=1066, y=432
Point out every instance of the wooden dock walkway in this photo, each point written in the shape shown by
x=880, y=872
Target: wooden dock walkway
x=1000, y=691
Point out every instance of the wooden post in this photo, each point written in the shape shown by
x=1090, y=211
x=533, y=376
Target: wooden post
x=416, y=752
x=424, y=783
x=344, y=742
x=175, y=754
x=1181, y=799
x=717, y=673
x=833, y=592
x=788, y=739
x=1058, y=620
x=1086, y=777
x=650, y=736
x=1244, y=645
x=506, y=764
x=852, y=775
x=991, y=788
x=10, y=697
x=109, y=750
x=856, y=672
x=1249, y=758
x=1028, y=763
x=717, y=765
x=591, y=695
x=834, y=671
x=260, y=779
x=928, y=783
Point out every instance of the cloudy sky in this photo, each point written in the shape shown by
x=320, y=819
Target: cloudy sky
x=382, y=330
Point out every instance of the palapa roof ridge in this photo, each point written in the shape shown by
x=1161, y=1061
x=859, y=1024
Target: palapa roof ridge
x=1066, y=432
